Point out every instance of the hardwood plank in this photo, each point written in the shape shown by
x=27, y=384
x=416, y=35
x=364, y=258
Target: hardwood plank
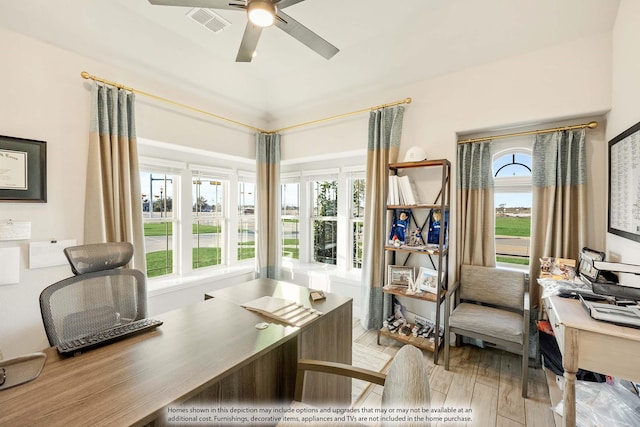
x=485, y=405
x=441, y=379
x=537, y=406
x=511, y=402
x=489, y=368
x=506, y=422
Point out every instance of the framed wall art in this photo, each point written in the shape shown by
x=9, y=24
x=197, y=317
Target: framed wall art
x=23, y=170
x=624, y=184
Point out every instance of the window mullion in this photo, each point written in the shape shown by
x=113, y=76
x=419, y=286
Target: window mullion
x=184, y=224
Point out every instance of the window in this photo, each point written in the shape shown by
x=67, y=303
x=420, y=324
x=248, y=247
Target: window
x=209, y=207
x=290, y=219
x=246, y=220
x=325, y=220
x=159, y=221
x=356, y=190
x=322, y=216
x=512, y=178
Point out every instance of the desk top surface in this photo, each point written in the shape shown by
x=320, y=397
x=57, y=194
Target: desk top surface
x=572, y=314
x=129, y=382
x=248, y=291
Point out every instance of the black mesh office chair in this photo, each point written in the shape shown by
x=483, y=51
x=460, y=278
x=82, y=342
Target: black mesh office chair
x=100, y=296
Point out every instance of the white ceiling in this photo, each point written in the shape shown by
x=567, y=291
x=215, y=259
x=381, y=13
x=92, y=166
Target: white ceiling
x=382, y=44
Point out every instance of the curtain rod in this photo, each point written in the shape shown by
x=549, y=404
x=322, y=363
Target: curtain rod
x=590, y=125
x=339, y=116
x=86, y=75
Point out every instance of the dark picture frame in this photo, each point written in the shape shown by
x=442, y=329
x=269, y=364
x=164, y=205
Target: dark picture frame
x=23, y=170
x=624, y=184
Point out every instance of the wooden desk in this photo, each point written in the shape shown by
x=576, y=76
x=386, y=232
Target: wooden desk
x=327, y=338
x=590, y=344
x=209, y=352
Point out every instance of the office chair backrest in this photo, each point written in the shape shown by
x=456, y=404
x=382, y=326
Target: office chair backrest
x=407, y=382
x=98, y=256
x=100, y=296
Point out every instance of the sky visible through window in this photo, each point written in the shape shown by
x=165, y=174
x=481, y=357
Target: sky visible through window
x=506, y=169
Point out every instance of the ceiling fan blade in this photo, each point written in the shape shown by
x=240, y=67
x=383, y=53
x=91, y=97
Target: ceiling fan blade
x=305, y=35
x=286, y=3
x=249, y=42
x=207, y=4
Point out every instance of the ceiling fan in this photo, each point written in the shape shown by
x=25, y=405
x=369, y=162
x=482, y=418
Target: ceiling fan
x=261, y=14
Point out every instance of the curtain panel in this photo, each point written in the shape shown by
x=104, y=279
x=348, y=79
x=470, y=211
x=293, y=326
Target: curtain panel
x=268, y=204
x=113, y=207
x=559, y=180
x=385, y=130
x=475, y=233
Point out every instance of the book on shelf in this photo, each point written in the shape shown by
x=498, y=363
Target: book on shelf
x=406, y=189
x=392, y=193
x=401, y=191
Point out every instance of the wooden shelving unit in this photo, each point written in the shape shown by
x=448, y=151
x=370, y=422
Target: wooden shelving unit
x=428, y=251
x=419, y=342
x=402, y=291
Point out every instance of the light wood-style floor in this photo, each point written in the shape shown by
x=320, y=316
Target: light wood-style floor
x=485, y=380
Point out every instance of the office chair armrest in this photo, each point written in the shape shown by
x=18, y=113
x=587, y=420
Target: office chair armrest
x=335, y=368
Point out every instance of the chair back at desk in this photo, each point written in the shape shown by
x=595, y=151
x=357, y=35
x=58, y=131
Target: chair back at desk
x=100, y=296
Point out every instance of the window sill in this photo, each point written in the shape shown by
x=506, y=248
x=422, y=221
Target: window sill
x=163, y=285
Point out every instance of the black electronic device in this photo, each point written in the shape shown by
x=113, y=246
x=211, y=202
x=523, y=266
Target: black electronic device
x=106, y=336
x=602, y=275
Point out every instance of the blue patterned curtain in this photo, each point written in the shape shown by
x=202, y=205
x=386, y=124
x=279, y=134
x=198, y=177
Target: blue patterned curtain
x=113, y=207
x=385, y=130
x=268, y=204
x=559, y=179
x=475, y=238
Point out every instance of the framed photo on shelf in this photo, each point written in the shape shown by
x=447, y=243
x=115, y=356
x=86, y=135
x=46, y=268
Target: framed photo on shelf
x=427, y=280
x=400, y=275
x=23, y=170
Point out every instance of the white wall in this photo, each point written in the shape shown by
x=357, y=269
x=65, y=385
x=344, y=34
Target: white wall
x=44, y=98
x=624, y=112
x=568, y=81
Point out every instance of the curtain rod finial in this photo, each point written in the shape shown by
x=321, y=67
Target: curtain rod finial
x=592, y=125
x=408, y=100
x=85, y=75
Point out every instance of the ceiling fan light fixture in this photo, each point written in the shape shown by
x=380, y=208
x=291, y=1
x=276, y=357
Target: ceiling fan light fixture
x=261, y=12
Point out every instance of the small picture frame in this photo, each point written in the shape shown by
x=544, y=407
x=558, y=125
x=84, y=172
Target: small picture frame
x=427, y=280
x=400, y=275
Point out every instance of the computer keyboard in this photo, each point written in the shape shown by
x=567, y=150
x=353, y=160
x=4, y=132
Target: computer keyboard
x=106, y=336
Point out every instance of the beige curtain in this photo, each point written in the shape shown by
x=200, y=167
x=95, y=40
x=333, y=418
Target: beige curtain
x=559, y=218
x=385, y=129
x=113, y=207
x=268, y=204
x=475, y=238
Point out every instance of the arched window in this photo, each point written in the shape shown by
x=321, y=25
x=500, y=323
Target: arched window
x=512, y=196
